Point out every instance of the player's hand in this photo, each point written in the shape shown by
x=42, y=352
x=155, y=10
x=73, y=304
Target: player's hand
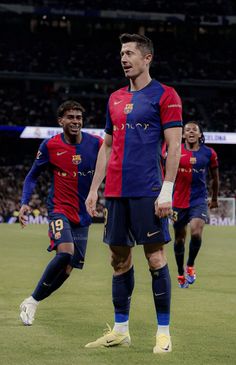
x=213, y=204
x=23, y=215
x=163, y=204
x=163, y=210
x=91, y=202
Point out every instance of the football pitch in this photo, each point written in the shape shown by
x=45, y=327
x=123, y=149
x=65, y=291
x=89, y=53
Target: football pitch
x=203, y=319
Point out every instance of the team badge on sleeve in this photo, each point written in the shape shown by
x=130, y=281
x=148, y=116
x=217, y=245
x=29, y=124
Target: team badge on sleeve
x=128, y=108
x=76, y=159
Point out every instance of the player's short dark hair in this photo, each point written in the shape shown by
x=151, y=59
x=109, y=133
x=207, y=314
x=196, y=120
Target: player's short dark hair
x=144, y=44
x=69, y=105
x=202, y=138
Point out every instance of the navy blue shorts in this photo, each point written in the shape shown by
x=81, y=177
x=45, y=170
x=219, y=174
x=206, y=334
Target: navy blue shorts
x=182, y=216
x=62, y=230
x=133, y=220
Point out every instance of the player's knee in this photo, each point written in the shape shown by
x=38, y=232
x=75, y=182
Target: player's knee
x=65, y=258
x=179, y=241
x=157, y=259
x=119, y=263
x=69, y=268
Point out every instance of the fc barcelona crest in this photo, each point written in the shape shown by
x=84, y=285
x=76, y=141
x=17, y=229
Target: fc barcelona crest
x=76, y=159
x=57, y=235
x=193, y=160
x=128, y=108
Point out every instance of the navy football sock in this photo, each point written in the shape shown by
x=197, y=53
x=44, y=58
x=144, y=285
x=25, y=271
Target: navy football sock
x=161, y=288
x=57, y=282
x=59, y=262
x=179, y=256
x=194, y=247
x=122, y=288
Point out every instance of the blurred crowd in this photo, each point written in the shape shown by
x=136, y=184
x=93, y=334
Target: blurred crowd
x=45, y=60
x=220, y=7
x=185, y=58
x=37, y=75
x=19, y=107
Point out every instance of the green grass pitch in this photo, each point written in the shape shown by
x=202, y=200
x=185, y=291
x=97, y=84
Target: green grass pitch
x=203, y=319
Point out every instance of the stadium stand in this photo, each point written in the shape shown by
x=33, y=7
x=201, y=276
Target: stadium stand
x=51, y=51
x=220, y=7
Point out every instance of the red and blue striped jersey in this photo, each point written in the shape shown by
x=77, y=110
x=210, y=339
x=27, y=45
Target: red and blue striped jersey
x=136, y=120
x=72, y=167
x=190, y=185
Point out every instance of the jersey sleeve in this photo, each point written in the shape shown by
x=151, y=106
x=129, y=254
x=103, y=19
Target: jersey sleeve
x=214, y=159
x=40, y=163
x=109, y=126
x=171, y=109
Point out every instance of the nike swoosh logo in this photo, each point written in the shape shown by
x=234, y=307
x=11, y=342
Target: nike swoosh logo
x=61, y=153
x=117, y=102
x=184, y=155
x=45, y=284
x=166, y=348
x=158, y=294
x=150, y=234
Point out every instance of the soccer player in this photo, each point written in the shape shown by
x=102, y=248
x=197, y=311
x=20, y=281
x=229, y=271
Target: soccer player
x=139, y=118
x=71, y=157
x=190, y=198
